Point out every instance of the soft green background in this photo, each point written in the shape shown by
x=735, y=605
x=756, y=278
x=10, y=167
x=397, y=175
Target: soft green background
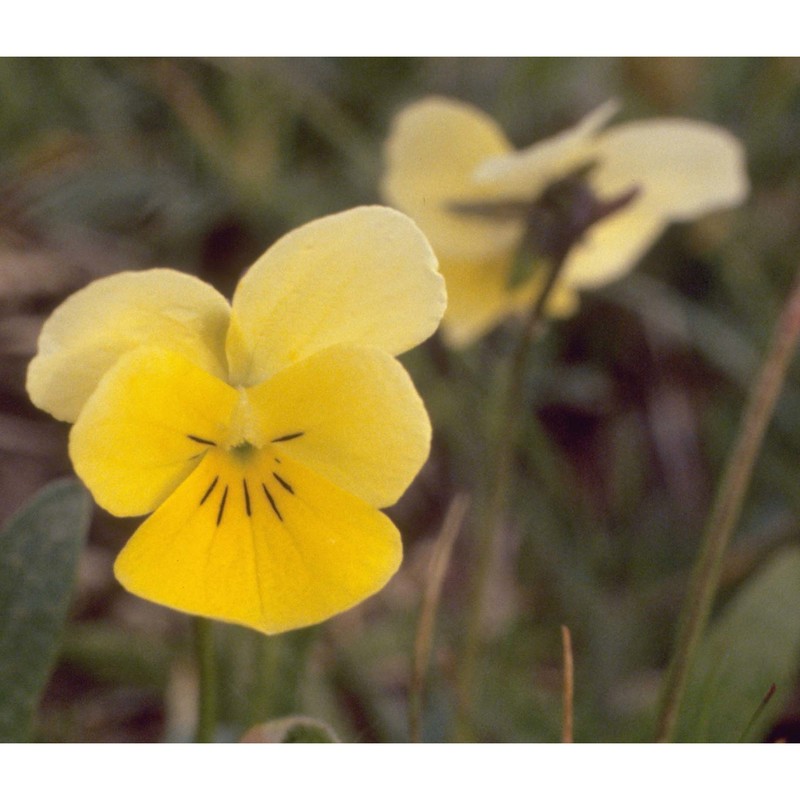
x=200, y=164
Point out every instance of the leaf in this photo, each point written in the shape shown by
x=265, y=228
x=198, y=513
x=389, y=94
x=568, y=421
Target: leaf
x=39, y=549
x=291, y=730
x=755, y=643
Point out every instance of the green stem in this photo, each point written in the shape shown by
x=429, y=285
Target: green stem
x=725, y=514
x=207, y=671
x=423, y=642
x=494, y=506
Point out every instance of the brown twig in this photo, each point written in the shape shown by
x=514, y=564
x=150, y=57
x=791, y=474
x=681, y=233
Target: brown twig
x=567, y=713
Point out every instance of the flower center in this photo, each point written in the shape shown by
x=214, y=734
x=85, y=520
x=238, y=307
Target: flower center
x=243, y=451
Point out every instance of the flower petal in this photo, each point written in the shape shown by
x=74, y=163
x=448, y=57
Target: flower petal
x=525, y=174
x=352, y=415
x=432, y=152
x=92, y=328
x=366, y=276
x=612, y=247
x=267, y=545
x=683, y=168
x=478, y=298
x=143, y=429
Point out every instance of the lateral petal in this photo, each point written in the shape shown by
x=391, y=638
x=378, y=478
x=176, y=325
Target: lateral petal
x=143, y=429
x=111, y=316
x=352, y=415
x=366, y=276
x=264, y=544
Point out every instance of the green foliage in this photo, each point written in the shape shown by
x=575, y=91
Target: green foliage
x=754, y=644
x=39, y=551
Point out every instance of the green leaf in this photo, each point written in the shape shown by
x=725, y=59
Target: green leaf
x=39, y=549
x=754, y=644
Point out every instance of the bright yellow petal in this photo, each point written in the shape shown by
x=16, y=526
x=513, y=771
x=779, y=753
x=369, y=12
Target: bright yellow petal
x=478, y=299
x=143, y=429
x=524, y=175
x=350, y=414
x=90, y=330
x=612, y=247
x=366, y=276
x=432, y=153
x=683, y=168
x=263, y=542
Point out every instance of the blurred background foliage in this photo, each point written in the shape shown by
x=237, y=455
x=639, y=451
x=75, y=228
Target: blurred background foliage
x=631, y=405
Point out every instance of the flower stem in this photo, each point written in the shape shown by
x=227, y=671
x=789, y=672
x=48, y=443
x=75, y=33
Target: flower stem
x=725, y=514
x=494, y=506
x=207, y=671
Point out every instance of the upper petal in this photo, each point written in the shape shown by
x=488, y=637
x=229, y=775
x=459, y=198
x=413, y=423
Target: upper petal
x=352, y=415
x=142, y=431
x=525, y=174
x=366, y=276
x=683, y=168
x=431, y=154
x=92, y=328
x=265, y=544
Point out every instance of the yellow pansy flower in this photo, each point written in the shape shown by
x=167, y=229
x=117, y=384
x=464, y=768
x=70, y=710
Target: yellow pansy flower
x=261, y=436
x=444, y=157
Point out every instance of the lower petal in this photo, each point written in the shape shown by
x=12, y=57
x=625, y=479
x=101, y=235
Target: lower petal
x=611, y=248
x=262, y=542
x=479, y=298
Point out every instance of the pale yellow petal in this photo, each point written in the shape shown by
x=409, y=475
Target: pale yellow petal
x=683, y=168
x=142, y=431
x=91, y=329
x=350, y=414
x=525, y=174
x=261, y=543
x=612, y=247
x=432, y=152
x=479, y=298
x=366, y=276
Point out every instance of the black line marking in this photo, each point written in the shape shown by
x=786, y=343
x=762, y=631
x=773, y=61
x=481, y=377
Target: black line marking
x=222, y=505
x=209, y=490
x=200, y=440
x=277, y=460
x=246, y=498
x=288, y=437
x=272, y=502
x=283, y=483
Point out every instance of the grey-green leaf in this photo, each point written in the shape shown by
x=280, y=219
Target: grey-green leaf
x=754, y=644
x=39, y=549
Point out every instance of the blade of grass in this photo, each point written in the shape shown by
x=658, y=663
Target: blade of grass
x=725, y=513
x=423, y=643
